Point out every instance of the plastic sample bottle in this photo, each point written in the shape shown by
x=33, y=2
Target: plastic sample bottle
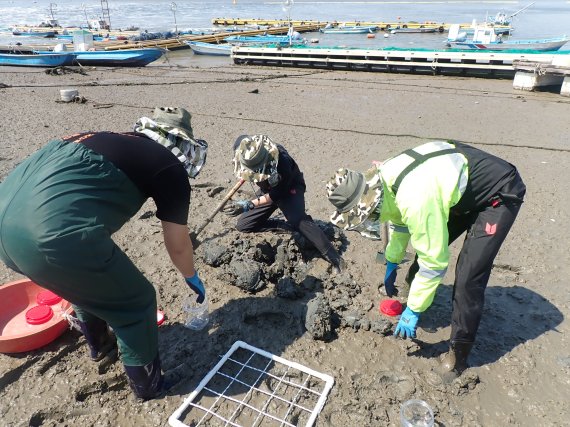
x=197, y=315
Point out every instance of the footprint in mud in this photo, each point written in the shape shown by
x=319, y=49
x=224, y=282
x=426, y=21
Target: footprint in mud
x=100, y=387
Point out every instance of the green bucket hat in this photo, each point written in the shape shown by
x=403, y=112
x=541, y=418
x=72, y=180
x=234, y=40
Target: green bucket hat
x=355, y=195
x=256, y=158
x=175, y=118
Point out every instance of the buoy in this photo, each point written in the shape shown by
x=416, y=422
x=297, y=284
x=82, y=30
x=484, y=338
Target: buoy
x=386, y=35
x=314, y=40
x=370, y=36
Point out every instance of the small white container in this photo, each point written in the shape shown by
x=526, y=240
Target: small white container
x=416, y=413
x=197, y=315
x=67, y=95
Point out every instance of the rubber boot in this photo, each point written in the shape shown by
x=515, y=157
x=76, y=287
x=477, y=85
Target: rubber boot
x=146, y=381
x=99, y=338
x=454, y=362
x=337, y=262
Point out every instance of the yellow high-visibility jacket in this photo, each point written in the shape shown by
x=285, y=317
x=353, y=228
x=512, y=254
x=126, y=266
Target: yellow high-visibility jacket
x=417, y=204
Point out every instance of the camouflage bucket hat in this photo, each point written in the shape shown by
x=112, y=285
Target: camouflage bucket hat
x=256, y=158
x=355, y=195
x=170, y=127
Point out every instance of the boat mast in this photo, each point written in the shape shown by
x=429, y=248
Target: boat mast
x=106, y=14
x=52, y=7
x=520, y=10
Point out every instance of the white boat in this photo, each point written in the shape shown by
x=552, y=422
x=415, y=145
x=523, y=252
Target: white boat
x=201, y=48
x=485, y=38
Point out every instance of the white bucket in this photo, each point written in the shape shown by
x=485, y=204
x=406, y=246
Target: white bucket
x=67, y=95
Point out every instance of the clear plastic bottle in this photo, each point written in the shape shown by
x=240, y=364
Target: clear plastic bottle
x=197, y=315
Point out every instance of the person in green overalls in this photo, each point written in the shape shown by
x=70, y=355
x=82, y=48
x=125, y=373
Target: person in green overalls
x=60, y=207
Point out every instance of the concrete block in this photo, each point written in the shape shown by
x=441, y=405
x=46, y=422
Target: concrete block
x=525, y=80
x=565, y=90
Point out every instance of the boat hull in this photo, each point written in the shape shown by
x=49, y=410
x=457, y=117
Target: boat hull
x=200, y=48
x=351, y=30
x=36, y=60
x=537, y=46
x=113, y=58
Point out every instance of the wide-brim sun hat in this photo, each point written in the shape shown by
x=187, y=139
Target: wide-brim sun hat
x=355, y=195
x=172, y=128
x=255, y=158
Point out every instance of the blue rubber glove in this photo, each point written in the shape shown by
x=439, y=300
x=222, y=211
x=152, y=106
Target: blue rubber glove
x=239, y=207
x=408, y=323
x=197, y=286
x=390, y=279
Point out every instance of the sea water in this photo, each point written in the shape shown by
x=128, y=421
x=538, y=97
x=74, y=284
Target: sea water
x=544, y=19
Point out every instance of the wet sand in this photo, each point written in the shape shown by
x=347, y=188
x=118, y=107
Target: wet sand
x=521, y=360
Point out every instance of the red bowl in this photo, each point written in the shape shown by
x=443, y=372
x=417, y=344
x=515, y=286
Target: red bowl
x=16, y=334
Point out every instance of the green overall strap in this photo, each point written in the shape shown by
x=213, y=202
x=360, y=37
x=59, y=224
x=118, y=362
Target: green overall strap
x=418, y=160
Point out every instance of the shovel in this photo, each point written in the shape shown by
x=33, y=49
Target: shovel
x=200, y=228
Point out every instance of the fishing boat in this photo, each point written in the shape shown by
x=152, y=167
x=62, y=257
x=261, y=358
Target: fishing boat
x=34, y=60
x=484, y=38
x=348, y=29
x=112, y=58
x=420, y=30
x=201, y=48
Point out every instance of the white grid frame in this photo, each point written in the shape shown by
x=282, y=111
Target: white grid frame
x=327, y=380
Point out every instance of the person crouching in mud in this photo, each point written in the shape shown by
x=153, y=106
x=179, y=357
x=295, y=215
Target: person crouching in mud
x=431, y=195
x=60, y=207
x=258, y=159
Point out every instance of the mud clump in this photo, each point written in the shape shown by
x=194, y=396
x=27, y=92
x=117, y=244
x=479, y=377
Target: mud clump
x=289, y=265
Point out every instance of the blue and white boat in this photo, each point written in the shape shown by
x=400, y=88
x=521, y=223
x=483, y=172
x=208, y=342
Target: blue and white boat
x=485, y=38
x=45, y=60
x=346, y=29
x=201, y=48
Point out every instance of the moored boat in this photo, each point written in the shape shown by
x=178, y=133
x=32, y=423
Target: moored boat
x=35, y=60
x=485, y=38
x=282, y=40
x=419, y=30
x=346, y=29
x=29, y=33
x=113, y=58
x=201, y=48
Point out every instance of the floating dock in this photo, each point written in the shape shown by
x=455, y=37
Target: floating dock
x=533, y=75
x=383, y=25
x=421, y=61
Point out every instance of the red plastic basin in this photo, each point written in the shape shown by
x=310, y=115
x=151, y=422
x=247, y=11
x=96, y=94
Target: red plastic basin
x=16, y=334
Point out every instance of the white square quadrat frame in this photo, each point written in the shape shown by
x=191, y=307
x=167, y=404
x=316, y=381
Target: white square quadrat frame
x=174, y=419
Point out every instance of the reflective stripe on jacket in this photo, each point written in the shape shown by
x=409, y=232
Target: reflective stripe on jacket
x=419, y=211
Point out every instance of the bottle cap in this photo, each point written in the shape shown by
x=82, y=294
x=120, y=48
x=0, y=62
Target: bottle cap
x=159, y=317
x=47, y=298
x=39, y=314
x=391, y=307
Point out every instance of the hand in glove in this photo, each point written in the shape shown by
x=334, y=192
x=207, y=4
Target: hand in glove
x=408, y=323
x=390, y=279
x=197, y=286
x=239, y=207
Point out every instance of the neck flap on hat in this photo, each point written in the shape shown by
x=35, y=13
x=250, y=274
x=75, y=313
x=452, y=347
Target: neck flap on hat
x=191, y=152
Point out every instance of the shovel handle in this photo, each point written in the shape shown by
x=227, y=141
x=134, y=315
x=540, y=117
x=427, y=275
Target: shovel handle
x=219, y=207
